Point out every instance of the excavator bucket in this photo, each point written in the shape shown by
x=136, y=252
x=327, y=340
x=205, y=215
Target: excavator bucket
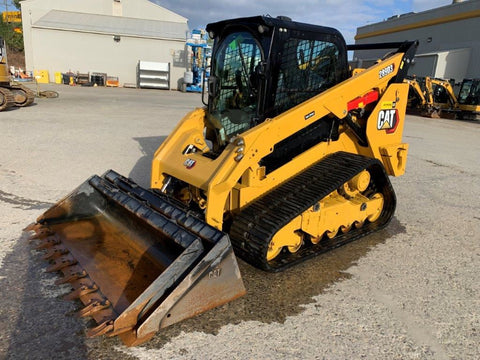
x=136, y=260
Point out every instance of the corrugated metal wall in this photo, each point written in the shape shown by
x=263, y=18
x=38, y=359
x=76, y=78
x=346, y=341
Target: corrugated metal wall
x=75, y=50
x=458, y=40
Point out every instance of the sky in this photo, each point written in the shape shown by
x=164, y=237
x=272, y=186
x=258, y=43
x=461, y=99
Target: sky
x=344, y=15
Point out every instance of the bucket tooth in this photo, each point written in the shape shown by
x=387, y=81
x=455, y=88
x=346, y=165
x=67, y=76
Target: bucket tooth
x=48, y=242
x=81, y=291
x=71, y=277
x=33, y=227
x=55, y=252
x=117, y=332
x=102, y=329
x=61, y=262
x=94, y=307
x=41, y=234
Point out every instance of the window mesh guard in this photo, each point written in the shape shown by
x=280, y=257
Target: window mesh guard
x=308, y=67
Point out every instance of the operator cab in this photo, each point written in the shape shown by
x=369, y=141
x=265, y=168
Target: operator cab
x=470, y=92
x=263, y=66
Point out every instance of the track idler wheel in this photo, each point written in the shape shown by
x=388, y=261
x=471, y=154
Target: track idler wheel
x=289, y=236
x=378, y=209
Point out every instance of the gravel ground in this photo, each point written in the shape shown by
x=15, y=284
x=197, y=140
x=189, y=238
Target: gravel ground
x=410, y=291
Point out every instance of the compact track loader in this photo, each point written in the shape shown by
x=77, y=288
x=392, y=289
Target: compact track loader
x=289, y=158
x=11, y=94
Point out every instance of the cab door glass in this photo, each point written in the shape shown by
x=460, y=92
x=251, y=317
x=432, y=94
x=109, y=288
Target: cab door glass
x=235, y=101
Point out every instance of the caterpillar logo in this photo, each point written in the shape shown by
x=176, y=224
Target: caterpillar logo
x=387, y=120
x=189, y=163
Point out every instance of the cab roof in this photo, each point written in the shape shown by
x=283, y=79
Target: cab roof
x=281, y=21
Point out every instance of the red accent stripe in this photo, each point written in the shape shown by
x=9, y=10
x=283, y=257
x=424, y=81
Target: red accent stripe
x=365, y=99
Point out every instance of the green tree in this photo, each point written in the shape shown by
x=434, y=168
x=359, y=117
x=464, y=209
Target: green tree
x=13, y=39
x=16, y=3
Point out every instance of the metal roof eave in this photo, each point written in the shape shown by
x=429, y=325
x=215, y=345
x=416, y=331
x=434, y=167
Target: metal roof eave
x=109, y=33
x=111, y=25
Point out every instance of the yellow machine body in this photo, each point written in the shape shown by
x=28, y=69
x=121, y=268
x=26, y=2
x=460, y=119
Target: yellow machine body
x=218, y=179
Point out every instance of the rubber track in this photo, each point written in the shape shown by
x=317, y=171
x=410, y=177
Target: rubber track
x=254, y=227
x=8, y=100
x=30, y=95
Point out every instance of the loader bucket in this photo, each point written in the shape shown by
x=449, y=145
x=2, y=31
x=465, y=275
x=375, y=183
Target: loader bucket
x=136, y=260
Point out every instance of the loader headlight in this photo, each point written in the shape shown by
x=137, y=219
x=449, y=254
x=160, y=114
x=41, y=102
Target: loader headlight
x=240, y=149
x=239, y=157
x=262, y=29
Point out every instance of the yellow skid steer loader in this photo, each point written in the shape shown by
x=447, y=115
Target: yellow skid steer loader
x=289, y=158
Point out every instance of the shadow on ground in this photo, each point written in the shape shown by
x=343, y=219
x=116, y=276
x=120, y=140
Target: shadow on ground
x=140, y=173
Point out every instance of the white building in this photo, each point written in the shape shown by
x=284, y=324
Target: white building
x=103, y=36
x=449, y=40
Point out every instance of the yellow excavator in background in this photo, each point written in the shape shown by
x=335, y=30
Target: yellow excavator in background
x=10, y=94
x=435, y=98
x=420, y=102
x=443, y=96
x=289, y=158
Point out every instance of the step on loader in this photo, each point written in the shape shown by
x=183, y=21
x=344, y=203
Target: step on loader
x=289, y=158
